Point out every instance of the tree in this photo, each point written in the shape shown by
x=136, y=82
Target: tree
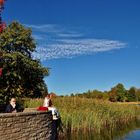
x=21, y=75
x=131, y=94
x=138, y=94
x=117, y=93
x=113, y=95
x=121, y=91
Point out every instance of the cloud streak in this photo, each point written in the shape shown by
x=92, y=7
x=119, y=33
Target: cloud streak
x=44, y=28
x=55, y=42
x=73, y=48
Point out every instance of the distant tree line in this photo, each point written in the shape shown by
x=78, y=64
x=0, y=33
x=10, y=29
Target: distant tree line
x=116, y=94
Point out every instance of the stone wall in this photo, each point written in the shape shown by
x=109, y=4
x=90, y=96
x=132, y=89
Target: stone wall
x=25, y=126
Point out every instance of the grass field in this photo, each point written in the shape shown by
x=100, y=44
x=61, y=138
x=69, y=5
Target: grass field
x=88, y=114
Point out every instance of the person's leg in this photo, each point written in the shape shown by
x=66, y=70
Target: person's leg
x=54, y=131
x=59, y=125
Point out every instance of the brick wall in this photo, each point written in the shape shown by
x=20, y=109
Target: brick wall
x=25, y=126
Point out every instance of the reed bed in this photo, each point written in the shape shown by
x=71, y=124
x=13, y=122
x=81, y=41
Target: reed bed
x=91, y=115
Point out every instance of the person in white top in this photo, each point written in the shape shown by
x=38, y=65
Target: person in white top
x=46, y=101
x=56, y=121
x=55, y=112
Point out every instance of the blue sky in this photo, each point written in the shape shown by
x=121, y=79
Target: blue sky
x=88, y=44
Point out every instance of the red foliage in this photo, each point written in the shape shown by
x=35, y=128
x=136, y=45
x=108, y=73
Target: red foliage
x=2, y=2
x=2, y=26
x=0, y=72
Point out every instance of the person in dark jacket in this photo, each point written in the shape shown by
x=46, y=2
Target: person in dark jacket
x=12, y=106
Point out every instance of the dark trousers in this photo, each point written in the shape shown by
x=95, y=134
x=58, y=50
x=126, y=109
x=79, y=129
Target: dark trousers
x=54, y=130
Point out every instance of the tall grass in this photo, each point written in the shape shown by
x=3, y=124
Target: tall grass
x=32, y=103
x=91, y=115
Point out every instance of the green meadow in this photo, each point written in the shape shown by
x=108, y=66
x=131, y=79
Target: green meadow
x=93, y=115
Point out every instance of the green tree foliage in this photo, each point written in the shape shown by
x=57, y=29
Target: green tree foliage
x=121, y=91
x=117, y=93
x=93, y=94
x=21, y=74
x=131, y=94
x=113, y=95
x=138, y=94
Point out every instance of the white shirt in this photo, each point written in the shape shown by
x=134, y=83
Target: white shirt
x=55, y=113
x=46, y=102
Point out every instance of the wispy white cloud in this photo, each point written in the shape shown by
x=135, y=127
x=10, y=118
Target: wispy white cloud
x=70, y=35
x=55, y=41
x=44, y=27
x=57, y=30
x=72, y=48
x=38, y=37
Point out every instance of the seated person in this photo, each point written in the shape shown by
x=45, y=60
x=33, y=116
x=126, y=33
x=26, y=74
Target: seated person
x=13, y=107
x=45, y=104
x=46, y=101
